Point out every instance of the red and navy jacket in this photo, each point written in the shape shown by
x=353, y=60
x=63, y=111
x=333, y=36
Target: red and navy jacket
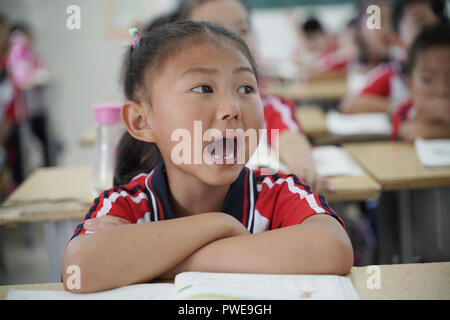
x=259, y=202
x=386, y=80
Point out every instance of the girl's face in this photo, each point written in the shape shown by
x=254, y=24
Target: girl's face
x=213, y=85
x=430, y=84
x=229, y=14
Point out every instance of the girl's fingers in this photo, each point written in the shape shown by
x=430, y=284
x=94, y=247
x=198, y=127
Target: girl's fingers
x=104, y=222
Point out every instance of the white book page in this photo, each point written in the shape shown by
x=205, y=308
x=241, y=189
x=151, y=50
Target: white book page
x=433, y=152
x=334, y=161
x=358, y=124
x=204, y=285
x=148, y=291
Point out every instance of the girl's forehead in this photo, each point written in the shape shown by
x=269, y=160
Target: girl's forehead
x=209, y=54
x=432, y=58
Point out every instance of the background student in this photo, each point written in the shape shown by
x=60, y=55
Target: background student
x=427, y=113
x=385, y=86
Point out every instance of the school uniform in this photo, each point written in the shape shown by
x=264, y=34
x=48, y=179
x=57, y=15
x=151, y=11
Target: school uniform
x=259, y=202
x=403, y=113
x=279, y=113
x=385, y=80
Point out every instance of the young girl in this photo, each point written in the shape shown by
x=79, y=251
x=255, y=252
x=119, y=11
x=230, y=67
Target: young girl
x=427, y=113
x=205, y=216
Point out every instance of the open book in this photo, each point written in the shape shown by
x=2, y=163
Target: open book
x=208, y=285
x=433, y=152
x=358, y=124
x=332, y=161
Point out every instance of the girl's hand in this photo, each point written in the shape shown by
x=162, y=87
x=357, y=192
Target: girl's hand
x=103, y=223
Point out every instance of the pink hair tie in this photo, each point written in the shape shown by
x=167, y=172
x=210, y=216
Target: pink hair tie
x=134, y=33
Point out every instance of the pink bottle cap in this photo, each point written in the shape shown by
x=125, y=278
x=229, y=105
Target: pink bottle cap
x=107, y=112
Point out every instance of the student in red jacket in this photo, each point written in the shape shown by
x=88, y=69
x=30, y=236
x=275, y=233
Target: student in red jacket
x=426, y=114
x=385, y=85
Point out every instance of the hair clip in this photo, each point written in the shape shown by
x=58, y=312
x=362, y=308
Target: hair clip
x=134, y=33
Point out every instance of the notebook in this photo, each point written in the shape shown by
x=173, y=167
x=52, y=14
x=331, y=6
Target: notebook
x=433, y=152
x=334, y=161
x=211, y=286
x=358, y=124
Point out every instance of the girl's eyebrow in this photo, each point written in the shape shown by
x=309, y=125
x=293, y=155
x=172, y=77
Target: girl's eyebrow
x=200, y=70
x=214, y=70
x=244, y=69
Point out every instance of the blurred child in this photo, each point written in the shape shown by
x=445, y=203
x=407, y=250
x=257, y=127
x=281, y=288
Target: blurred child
x=427, y=113
x=6, y=105
x=322, y=56
x=385, y=86
x=208, y=216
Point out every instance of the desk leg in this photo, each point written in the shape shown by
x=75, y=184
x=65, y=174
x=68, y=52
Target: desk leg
x=405, y=223
x=57, y=235
x=387, y=229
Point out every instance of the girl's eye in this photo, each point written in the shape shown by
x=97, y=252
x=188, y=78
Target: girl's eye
x=245, y=89
x=203, y=89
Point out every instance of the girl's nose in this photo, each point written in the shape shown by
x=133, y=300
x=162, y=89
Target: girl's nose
x=229, y=109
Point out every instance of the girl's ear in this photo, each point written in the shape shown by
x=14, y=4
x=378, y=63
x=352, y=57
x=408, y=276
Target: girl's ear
x=134, y=116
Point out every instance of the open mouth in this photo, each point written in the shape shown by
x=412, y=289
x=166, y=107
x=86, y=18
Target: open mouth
x=223, y=151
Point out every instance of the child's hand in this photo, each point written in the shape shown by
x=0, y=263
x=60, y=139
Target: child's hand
x=103, y=223
x=314, y=180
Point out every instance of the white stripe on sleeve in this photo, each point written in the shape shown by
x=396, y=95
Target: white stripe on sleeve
x=296, y=190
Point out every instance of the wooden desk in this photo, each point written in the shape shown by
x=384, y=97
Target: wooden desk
x=50, y=194
x=324, y=89
x=401, y=281
x=59, y=197
x=313, y=121
x=395, y=166
x=417, y=201
x=352, y=188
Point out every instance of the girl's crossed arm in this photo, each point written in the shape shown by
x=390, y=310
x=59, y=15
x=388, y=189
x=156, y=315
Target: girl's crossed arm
x=133, y=253
x=319, y=245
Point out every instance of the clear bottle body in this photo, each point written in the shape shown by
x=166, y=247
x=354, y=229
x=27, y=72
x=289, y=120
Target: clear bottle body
x=108, y=136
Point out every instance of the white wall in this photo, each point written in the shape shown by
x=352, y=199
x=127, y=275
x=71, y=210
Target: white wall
x=84, y=65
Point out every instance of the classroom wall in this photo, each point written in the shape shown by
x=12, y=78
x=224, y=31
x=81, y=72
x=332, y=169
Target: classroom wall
x=84, y=66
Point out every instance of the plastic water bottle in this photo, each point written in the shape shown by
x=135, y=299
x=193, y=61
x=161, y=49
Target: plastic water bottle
x=109, y=130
